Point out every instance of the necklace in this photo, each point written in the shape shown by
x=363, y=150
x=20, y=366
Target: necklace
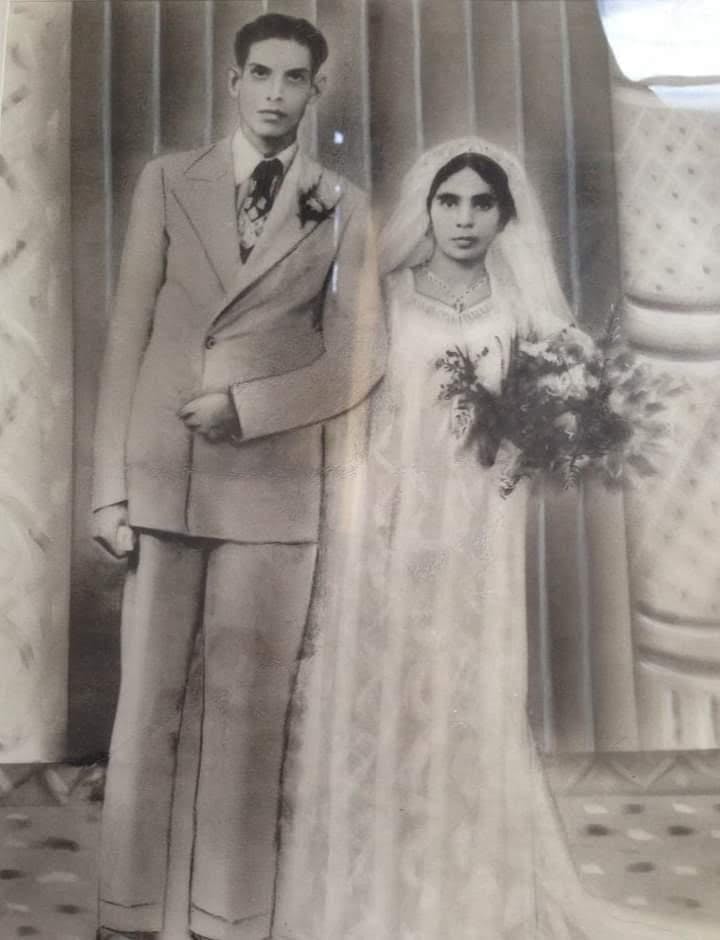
x=458, y=300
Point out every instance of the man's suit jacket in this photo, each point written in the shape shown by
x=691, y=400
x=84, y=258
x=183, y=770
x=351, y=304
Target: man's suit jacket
x=296, y=333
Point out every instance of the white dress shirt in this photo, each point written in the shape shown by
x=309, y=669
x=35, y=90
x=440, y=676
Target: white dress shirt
x=246, y=157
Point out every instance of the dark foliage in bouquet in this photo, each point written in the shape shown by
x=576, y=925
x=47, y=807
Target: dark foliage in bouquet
x=569, y=407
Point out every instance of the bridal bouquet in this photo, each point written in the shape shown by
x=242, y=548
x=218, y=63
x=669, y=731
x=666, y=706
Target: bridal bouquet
x=568, y=407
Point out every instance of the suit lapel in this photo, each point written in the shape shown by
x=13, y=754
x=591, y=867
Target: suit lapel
x=283, y=230
x=207, y=196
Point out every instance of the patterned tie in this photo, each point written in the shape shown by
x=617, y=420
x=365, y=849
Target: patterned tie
x=255, y=207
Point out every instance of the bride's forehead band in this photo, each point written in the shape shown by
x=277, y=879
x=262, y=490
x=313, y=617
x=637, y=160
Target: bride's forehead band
x=453, y=148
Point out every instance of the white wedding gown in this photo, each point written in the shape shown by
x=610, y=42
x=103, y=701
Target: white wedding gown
x=414, y=807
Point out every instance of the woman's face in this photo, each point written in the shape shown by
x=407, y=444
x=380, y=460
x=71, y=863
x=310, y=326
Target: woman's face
x=465, y=216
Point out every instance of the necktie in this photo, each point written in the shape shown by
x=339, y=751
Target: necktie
x=254, y=209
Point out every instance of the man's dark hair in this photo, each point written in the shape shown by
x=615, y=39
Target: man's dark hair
x=279, y=26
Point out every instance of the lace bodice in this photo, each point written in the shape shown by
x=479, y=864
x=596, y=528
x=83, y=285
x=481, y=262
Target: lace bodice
x=422, y=329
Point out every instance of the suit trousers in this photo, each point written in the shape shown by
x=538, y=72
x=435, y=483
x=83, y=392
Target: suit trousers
x=248, y=605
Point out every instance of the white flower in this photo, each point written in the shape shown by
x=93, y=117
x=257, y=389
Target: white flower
x=572, y=382
x=556, y=383
x=616, y=401
x=567, y=422
x=581, y=339
x=533, y=349
x=540, y=350
x=578, y=378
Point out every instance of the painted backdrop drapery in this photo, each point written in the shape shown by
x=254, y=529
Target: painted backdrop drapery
x=35, y=381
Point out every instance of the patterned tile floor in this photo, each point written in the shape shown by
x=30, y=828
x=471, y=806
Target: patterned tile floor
x=48, y=873
x=48, y=844
x=661, y=853
x=644, y=831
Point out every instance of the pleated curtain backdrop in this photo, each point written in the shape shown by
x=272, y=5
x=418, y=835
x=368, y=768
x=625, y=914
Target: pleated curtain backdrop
x=149, y=76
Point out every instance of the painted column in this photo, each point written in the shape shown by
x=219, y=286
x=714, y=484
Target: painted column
x=35, y=381
x=668, y=165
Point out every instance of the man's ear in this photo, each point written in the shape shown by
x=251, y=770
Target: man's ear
x=319, y=84
x=234, y=76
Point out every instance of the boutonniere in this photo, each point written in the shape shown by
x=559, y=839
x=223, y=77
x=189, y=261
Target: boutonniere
x=315, y=204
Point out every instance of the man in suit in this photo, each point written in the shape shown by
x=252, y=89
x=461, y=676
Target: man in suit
x=247, y=314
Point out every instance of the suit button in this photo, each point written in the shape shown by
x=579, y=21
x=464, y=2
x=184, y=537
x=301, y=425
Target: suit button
x=210, y=342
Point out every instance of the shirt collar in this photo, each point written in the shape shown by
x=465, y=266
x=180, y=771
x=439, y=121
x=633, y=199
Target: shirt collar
x=246, y=157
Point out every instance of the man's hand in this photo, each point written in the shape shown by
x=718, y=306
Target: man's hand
x=212, y=415
x=111, y=529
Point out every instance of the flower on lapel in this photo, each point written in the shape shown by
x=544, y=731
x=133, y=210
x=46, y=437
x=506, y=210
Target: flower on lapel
x=317, y=201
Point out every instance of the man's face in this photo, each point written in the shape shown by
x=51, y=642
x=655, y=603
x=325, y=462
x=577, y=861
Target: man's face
x=273, y=90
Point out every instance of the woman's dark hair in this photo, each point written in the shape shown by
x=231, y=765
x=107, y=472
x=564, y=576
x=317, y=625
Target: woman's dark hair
x=279, y=26
x=487, y=169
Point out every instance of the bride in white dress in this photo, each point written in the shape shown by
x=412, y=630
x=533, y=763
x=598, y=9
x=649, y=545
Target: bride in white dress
x=414, y=807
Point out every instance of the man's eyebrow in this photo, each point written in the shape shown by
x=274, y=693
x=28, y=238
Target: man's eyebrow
x=298, y=71
x=261, y=65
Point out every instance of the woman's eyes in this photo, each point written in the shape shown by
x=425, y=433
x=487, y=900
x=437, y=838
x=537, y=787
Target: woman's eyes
x=485, y=202
x=258, y=71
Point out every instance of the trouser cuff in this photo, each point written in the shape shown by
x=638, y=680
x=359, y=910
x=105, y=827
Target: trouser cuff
x=131, y=918
x=215, y=927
